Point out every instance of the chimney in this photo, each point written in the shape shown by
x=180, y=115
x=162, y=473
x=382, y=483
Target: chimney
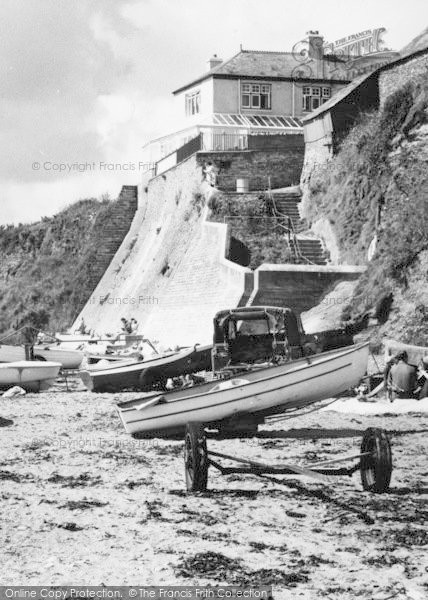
x=316, y=43
x=214, y=61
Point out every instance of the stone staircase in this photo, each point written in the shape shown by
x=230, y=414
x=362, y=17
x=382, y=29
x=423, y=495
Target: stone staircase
x=288, y=204
x=311, y=248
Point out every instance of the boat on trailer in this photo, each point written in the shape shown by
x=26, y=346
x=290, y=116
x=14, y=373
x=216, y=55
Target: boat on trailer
x=31, y=375
x=244, y=391
x=247, y=398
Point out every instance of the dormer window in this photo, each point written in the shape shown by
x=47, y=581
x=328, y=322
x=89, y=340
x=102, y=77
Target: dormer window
x=193, y=103
x=256, y=96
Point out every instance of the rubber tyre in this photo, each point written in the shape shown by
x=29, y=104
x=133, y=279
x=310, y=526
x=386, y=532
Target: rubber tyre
x=195, y=458
x=376, y=468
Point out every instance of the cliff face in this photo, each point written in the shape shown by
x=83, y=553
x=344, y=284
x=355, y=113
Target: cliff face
x=374, y=194
x=49, y=269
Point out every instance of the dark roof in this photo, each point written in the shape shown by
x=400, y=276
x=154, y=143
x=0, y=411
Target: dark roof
x=338, y=96
x=269, y=65
x=344, y=92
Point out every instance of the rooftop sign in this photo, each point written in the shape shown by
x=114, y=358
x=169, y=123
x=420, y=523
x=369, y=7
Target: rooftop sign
x=358, y=44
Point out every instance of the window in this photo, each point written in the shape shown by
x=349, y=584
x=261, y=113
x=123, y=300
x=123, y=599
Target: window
x=314, y=96
x=256, y=96
x=193, y=103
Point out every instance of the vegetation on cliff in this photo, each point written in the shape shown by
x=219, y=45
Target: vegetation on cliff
x=252, y=225
x=377, y=186
x=48, y=268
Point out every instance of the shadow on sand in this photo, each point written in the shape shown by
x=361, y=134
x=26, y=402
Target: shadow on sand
x=5, y=422
x=406, y=491
x=310, y=434
x=323, y=433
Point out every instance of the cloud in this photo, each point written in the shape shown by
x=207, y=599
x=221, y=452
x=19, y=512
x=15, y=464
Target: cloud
x=91, y=81
x=55, y=71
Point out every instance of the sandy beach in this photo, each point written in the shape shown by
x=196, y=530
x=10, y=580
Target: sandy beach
x=84, y=503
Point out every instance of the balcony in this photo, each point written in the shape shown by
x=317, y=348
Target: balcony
x=221, y=132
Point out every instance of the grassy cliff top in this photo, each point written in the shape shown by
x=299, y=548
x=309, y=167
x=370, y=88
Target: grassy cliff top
x=46, y=271
x=377, y=186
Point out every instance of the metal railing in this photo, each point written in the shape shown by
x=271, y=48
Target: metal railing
x=292, y=239
x=213, y=141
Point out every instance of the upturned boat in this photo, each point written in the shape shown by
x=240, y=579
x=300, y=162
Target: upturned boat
x=249, y=396
x=31, y=375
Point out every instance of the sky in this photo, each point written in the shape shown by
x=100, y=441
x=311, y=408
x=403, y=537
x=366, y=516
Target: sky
x=84, y=84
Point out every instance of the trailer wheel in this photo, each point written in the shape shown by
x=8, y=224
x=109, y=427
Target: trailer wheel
x=376, y=468
x=195, y=458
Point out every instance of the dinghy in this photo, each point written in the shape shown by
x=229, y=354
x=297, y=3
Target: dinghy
x=32, y=375
x=69, y=359
x=144, y=375
x=257, y=393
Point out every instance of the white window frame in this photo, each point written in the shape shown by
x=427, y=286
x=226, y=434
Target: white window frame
x=314, y=96
x=253, y=95
x=192, y=103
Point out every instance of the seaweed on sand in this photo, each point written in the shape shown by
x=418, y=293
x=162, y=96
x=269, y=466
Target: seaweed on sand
x=84, y=479
x=83, y=504
x=213, y=565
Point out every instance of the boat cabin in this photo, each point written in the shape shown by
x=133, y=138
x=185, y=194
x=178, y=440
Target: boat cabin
x=256, y=334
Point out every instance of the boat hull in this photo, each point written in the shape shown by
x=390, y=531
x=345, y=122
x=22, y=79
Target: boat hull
x=268, y=391
x=414, y=353
x=31, y=375
x=138, y=375
x=69, y=359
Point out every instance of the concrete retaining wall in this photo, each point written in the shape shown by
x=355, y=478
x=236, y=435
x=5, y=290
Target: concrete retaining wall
x=298, y=287
x=170, y=272
x=282, y=166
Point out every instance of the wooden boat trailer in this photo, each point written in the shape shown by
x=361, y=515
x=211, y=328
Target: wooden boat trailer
x=374, y=461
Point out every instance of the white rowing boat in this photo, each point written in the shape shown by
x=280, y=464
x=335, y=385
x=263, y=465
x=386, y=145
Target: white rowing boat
x=69, y=359
x=259, y=392
x=32, y=375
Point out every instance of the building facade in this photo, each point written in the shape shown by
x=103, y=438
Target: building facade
x=257, y=92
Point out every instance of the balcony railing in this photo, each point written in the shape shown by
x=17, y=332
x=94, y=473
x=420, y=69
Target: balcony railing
x=225, y=133
x=214, y=141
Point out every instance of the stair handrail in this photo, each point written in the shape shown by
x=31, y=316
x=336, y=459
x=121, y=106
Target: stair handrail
x=291, y=233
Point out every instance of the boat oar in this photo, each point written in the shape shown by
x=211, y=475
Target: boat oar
x=376, y=389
